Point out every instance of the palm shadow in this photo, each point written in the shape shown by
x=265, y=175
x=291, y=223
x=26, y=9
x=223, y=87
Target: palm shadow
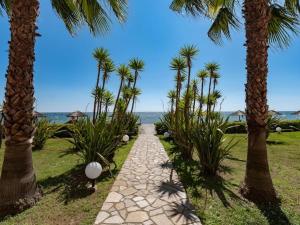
x=183, y=213
x=274, y=214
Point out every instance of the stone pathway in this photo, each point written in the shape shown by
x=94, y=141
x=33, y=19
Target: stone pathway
x=146, y=191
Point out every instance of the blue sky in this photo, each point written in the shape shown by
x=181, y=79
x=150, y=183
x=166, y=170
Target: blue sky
x=65, y=71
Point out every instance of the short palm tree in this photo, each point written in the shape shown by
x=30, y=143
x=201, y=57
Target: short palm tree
x=137, y=65
x=172, y=97
x=202, y=75
x=188, y=52
x=18, y=180
x=123, y=72
x=194, y=91
x=212, y=69
x=275, y=23
x=108, y=67
x=179, y=65
x=135, y=92
x=108, y=100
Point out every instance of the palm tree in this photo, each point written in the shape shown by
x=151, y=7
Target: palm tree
x=101, y=55
x=130, y=79
x=202, y=75
x=123, y=72
x=108, y=99
x=188, y=52
x=194, y=93
x=135, y=92
x=179, y=65
x=138, y=66
x=212, y=69
x=108, y=67
x=4, y=5
x=172, y=97
x=275, y=24
x=18, y=181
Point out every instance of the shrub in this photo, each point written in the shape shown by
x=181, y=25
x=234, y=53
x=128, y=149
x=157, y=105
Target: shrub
x=132, y=123
x=42, y=133
x=209, y=142
x=95, y=142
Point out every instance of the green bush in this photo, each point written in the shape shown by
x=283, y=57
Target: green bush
x=43, y=131
x=132, y=123
x=95, y=142
x=209, y=141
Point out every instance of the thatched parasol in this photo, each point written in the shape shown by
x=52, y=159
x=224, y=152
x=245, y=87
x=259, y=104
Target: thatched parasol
x=297, y=113
x=238, y=113
x=38, y=114
x=75, y=115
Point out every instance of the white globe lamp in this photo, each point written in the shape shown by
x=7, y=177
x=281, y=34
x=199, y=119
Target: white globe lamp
x=278, y=130
x=166, y=134
x=92, y=171
x=125, y=138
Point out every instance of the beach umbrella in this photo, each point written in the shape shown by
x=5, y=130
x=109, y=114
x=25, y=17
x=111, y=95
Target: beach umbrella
x=297, y=113
x=238, y=113
x=38, y=114
x=76, y=115
x=274, y=113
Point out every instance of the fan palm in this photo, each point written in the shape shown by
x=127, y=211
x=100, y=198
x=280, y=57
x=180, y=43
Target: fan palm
x=179, y=65
x=18, y=179
x=135, y=92
x=123, y=72
x=188, y=52
x=108, y=67
x=276, y=24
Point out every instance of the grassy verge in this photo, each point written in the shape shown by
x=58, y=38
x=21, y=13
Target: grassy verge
x=65, y=200
x=218, y=201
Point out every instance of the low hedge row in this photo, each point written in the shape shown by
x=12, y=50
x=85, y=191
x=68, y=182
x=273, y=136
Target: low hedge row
x=240, y=127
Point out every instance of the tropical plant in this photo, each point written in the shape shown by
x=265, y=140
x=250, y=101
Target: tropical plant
x=138, y=66
x=212, y=148
x=42, y=132
x=95, y=141
x=18, y=188
x=108, y=100
x=276, y=24
x=135, y=92
x=123, y=72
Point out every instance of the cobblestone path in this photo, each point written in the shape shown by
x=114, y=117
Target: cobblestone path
x=146, y=191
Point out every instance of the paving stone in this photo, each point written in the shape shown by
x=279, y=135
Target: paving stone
x=162, y=219
x=101, y=216
x=137, y=217
x=113, y=197
x=142, y=203
x=114, y=220
x=139, y=198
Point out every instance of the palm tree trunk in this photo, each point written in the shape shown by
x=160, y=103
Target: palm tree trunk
x=132, y=105
x=95, y=100
x=102, y=92
x=258, y=184
x=106, y=109
x=177, y=100
x=201, y=99
x=187, y=99
x=117, y=100
x=208, y=99
x=18, y=188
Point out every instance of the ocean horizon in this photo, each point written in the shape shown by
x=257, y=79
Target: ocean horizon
x=152, y=117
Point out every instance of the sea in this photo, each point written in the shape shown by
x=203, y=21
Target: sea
x=152, y=117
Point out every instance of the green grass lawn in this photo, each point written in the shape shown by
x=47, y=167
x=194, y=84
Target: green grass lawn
x=65, y=200
x=218, y=201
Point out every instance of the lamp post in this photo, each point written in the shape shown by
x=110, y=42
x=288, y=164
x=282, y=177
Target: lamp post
x=125, y=138
x=278, y=130
x=92, y=171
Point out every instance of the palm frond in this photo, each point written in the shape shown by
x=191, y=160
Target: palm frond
x=293, y=6
x=191, y=7
x=5, y=5
x=282, y=26
x=223, y=22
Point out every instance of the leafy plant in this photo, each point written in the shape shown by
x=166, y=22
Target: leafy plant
x=43, y=131
x=95, y=141
x=210, y=143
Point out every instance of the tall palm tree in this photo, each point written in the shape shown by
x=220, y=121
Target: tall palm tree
x=108, y=99
x=101, y=55
x=123, y=71
x=18, y=189
x=275, y=24
x=179, y=65
x=188, y=52
x=108, y=67
x=135, y=92
x=137, y=65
